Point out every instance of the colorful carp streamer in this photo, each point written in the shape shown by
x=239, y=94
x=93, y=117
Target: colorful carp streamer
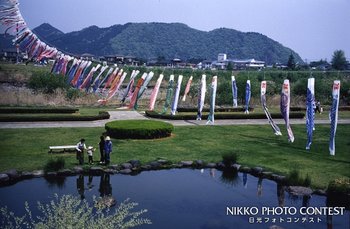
x=169, y=94
x=333, y=115
x=274, y=126
x=136, y=91
x=310, y=111
x=128, y=89
x=143, y=88
x=247, y=97
x=234, y=91
x=187, y=89
x=177, y=95
x=154, y=93
x=285, y=106
x=213, y=87
x=201, y=96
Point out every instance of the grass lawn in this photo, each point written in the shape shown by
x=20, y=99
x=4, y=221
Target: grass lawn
x=27, y=149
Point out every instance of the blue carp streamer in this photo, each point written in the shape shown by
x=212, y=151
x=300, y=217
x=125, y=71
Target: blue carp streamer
x=310, y=111
x=247, y=97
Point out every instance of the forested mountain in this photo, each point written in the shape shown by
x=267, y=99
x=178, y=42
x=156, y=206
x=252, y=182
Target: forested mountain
x=167, y=40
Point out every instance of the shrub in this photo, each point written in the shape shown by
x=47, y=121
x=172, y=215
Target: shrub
x=338, y=193
x=73, y=93
x=54, y=164
x=72, y=212
x=47, y=83
x=58, y=117
x=230, y=158
x=138, y=129
x=192, y=116
x=295, y=179
x=34, y=110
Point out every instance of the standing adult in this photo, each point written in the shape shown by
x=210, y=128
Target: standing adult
x=102, y=149
x=80, y=151
x=108, y=149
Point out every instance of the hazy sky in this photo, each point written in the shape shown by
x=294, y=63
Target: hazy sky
x=313, y=28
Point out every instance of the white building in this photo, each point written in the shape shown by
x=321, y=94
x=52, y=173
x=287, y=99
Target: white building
x=222, y=57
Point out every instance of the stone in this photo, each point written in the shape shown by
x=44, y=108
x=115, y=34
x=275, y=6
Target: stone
x=320, y=192
x=78, y=169
x=4, y=178
x=163, y=161
x=65, y=172
x=115, y=167
x=38, y=173
x=146, y=167
x=96, y=170
x=236, y=166
x=280, y=179
x=126, y=166
x=220, y=165
x=110, y=171
x=244, y=169
x=266, y=174
x=51, y=174
x=199, y=163
x=299, y=191
x=105, y=202
x=257, y=170
x=275, y=227
x=211, y=165
x=26, y=175
x=154, y=165
x=187, y=163
x=12, y=174
x=125, y=171
x=135, y=163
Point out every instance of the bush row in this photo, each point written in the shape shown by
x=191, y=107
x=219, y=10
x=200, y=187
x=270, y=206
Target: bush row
x=154, y=114
x=35, y=110
x=31, y=118
x=138, y=129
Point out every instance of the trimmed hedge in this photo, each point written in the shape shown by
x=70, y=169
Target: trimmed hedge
x=153, y=114
x=138, y=129
x=58, y=117
x=36, y=110
x=219, y=109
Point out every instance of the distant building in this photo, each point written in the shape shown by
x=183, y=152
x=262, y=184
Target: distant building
x=222, y=57
x=88, y=56
x=10, y=54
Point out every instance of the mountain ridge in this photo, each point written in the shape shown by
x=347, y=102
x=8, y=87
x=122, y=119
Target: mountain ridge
x=166, y=40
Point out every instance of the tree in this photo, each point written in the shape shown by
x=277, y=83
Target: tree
x=338, y=60
x=291, y=62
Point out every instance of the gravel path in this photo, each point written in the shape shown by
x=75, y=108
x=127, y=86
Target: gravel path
x=132, y=115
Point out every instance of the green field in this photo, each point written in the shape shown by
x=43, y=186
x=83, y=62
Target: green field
x=27, y=149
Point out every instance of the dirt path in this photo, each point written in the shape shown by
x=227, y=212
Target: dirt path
x=133, y=115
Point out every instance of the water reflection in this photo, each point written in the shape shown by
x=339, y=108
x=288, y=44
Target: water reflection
x=81, y=186
x=58, y=182
x=245, y=180
x=176, y=196
x=230, y=177
x=105, y=188
x=280, y=195
x=260, y=186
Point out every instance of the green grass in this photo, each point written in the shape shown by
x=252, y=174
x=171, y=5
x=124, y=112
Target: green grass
x=27, y=149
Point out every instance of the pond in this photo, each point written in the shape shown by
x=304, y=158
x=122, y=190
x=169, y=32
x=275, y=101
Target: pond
x=184, y=198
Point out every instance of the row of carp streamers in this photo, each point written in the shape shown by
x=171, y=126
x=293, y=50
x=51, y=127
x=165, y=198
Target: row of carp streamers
x=81, y=74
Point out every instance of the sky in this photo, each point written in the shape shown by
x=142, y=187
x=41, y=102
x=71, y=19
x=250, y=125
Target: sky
x=312, y=28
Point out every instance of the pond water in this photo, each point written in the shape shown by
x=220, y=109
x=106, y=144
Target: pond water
x=182, y=198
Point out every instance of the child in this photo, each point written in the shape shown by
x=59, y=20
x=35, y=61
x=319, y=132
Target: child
x=90, y=150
